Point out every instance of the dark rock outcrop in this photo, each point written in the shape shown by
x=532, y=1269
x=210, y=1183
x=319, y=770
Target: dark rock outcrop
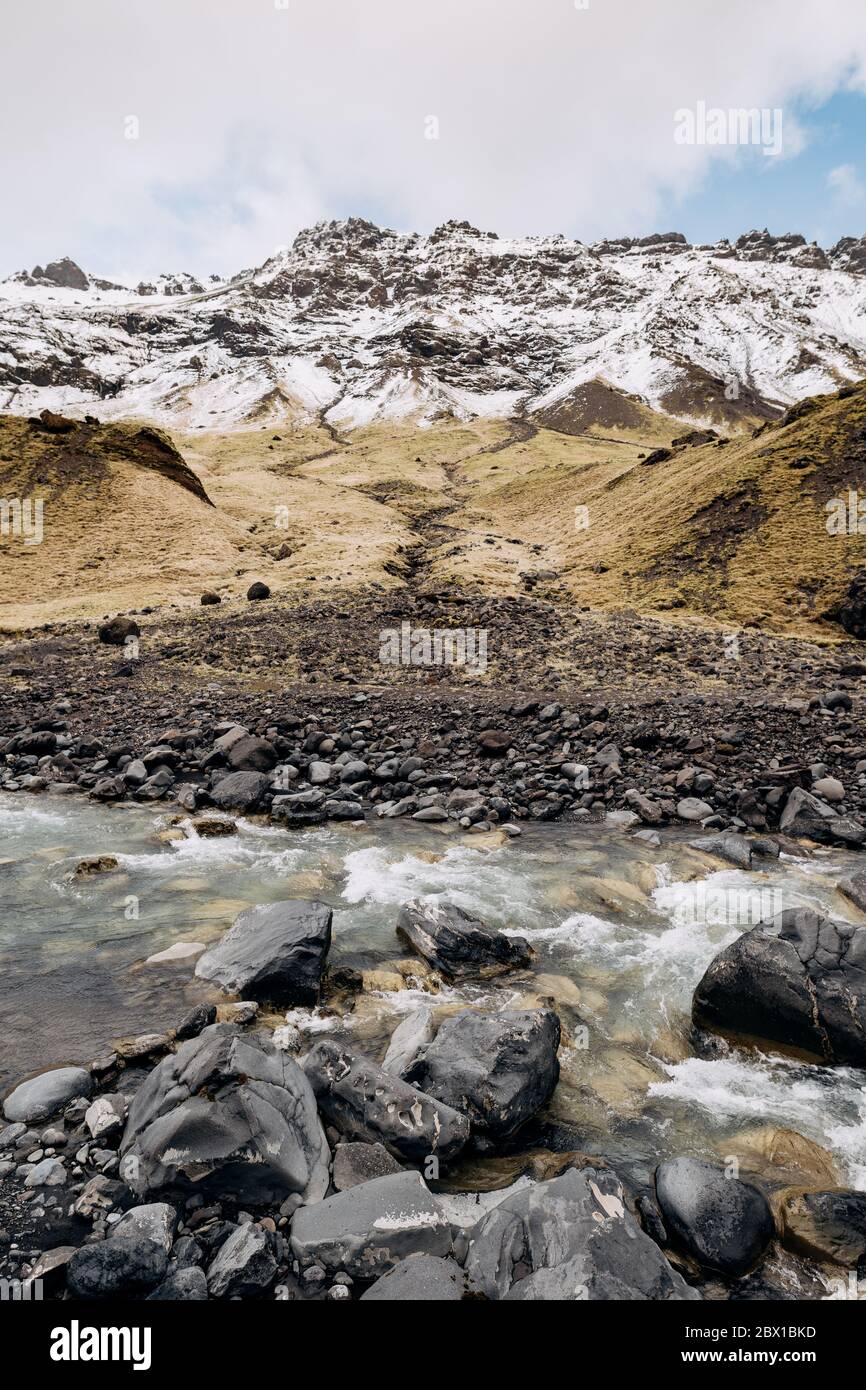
x=798, y=980
x=364, y=1102
x=495, y=1068
x=276, y=953
x=569, y=1239
x=228, y=1117
x=725, y=1224
x=457, y=945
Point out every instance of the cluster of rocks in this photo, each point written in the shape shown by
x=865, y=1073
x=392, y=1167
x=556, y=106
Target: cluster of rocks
x=795, y=764
x=211, y=1164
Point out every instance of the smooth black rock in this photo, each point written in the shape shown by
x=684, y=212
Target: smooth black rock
x=275, y=953
x=798, y=980
x=724, y=1223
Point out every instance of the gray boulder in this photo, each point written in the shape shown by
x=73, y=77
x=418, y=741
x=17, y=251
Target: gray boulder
x=154, y=1221
x=457, y=945
x=798, y=980
x=723, y=1223
x=370, y=1228
x=364, y=1102
x=226, y=1116
x=240, y=791
x=569, y=1239
x=357, y=1163
x=854, y=888
x=250, y=754
x=410, y=1036
x=495, y=1068
x=181, y=1286
x=244, y=1264
x=808, y=815
x=42, y=1095
x=733, y=848
x=418, y=1279
x=116, y=1267
x=276, y=952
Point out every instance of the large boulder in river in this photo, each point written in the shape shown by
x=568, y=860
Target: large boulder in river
x=369, y=1229
x=274, y=952
x=39, y=1097
x=226, y=1117
x=798, y=980
x=364, y=1102
x=569, y=1239
x=495, y=1068
x=723, y=1223
x=457, y=945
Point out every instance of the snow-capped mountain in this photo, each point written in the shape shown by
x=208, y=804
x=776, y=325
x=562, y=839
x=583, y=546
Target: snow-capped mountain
x=353, y=324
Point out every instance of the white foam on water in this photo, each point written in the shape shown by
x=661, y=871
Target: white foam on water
x=826, y=1105
x=469, y=878
x=22, y=817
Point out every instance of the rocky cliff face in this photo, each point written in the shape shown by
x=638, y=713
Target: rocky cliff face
x=354, y=324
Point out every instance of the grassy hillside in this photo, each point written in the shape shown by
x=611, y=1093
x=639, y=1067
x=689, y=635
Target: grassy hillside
x=725, y=530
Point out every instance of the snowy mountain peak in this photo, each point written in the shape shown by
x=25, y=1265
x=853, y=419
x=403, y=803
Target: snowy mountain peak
x=354, y=323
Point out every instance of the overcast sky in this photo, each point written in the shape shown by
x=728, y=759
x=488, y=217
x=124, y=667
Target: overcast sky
x=258, y=117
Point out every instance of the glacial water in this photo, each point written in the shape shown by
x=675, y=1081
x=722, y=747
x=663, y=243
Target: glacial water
x=623, y=932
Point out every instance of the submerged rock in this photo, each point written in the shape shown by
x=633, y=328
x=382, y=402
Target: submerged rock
x=825, y=1226
x=226, y=1116
x=497, y=1069
x=364, y=1102
x=457, y=945
x=274, y=953
x=723, y=1223
x=372, y=1227
x=798, y=980
x=569, y=1239
x=733, y=848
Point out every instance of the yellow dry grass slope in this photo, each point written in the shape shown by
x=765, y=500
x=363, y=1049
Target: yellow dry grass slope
x=731, y=531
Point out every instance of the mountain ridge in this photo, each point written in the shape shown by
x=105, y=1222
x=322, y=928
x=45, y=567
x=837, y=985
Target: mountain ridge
x=354, y=325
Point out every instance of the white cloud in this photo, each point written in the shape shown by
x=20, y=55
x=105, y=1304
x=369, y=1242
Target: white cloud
x=845, y=185
x=256, y=120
